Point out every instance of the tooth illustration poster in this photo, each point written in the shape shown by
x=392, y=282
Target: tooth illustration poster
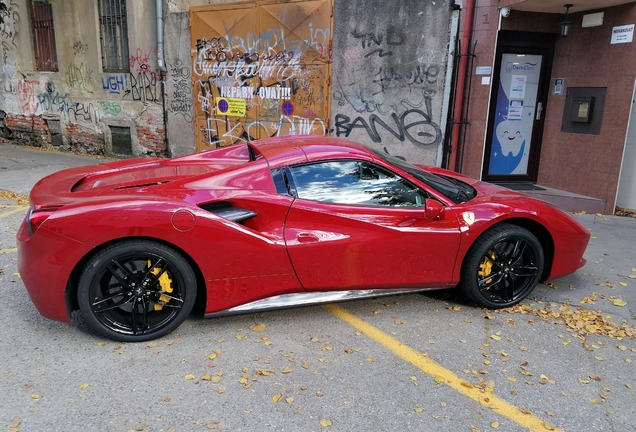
x=514, y=114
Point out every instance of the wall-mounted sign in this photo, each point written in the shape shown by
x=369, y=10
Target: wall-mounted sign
x=557, y=89
x=231, y=106
x=483, y=70
x=623, y=34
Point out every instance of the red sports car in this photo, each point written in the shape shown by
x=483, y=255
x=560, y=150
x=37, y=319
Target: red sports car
x=133, y=244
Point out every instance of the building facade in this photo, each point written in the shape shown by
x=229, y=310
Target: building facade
x=488, y=88
x=548, y=109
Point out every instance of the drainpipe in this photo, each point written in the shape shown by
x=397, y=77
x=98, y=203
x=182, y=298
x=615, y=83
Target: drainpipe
x=160, y=60
x=461, y=82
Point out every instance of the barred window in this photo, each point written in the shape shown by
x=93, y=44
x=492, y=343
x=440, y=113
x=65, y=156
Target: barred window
x=43, y=36
x=113, y=30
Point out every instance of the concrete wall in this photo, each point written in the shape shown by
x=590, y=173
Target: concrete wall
x=389, y=66
x=72, y=109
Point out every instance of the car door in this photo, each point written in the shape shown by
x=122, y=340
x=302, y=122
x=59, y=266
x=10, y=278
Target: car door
x=357, y=225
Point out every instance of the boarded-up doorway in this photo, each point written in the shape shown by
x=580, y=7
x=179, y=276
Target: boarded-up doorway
x=260, y=69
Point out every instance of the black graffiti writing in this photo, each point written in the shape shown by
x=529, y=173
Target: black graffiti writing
x=413, y=125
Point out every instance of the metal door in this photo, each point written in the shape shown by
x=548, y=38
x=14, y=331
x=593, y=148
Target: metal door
x=260, y=69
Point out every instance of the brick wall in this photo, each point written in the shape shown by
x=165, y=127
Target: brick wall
x=151, y=133
x=84, y=140
x=28, y=130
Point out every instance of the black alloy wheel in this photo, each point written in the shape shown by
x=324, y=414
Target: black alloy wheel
x=136, y=290
x=502, y=267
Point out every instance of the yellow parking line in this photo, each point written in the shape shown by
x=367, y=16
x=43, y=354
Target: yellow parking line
x=9, y=250
x=441, y=374
x=10, y=212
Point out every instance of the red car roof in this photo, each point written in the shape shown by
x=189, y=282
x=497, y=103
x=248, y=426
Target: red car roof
x=297, y=149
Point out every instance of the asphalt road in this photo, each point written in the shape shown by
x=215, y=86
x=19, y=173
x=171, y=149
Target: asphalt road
x=426, y=362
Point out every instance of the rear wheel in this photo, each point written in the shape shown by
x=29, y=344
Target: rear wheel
x=502, y=267
x=136, y=290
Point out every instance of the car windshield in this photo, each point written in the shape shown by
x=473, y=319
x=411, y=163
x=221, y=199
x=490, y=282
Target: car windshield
x=453, y=189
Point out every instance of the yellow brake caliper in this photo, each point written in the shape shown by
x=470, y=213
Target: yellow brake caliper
x=166, y=286
x=485, y=268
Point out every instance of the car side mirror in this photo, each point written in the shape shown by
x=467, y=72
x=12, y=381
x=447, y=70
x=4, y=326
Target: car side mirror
x=434, y=209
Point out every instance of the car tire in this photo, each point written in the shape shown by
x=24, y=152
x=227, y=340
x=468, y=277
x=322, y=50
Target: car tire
x=502, y=267
x=136, y=290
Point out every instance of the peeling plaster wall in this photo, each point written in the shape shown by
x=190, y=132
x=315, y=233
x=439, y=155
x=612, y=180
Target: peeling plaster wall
x=179, y=106
x=79, y=102
x=389, y=67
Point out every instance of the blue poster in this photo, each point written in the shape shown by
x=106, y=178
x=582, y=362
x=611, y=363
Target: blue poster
x=514, y=114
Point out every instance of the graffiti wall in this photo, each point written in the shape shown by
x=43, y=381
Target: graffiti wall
x=79, y=102
x=389, y=67
x=258, y=70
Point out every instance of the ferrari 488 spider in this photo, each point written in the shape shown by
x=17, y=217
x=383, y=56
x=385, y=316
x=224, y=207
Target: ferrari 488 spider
x=280, y=222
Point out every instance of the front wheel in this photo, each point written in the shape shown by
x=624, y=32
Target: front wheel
x=502, y=267
x=136, y=290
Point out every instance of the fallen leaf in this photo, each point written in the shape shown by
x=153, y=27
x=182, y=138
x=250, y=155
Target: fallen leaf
x=189, y=377
x=15, y=423
x=152, y=345
x=277, y=398
x=325, y=423
x=221, y=390
x=439, y=379
x=101, y=343
x=305, y=365
x=206, y=378
x=258, y=328
x=584, y=381
x=286, y=370
x=319, y=394
x=494, y=425
x=495, y=337
x=419, y=409
x=35, y=396
x=619, y=302
x=212, y=356
x=370, y=359
x=83, y=386
x=512, y=379
x=165, y=399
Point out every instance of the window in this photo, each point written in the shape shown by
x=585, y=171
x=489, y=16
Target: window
x=113, y=32
x=355, y=182
x=43, y=36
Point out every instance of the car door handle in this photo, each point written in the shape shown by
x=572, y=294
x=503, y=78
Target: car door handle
x=307, y=238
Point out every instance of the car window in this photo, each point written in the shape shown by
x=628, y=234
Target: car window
x=355, y=182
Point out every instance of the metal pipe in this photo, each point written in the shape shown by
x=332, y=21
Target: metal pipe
x=461, y=82
x=160, y=60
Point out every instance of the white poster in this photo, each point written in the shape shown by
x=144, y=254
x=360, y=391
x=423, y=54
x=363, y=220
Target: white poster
x=518, y=86
x=622, y=34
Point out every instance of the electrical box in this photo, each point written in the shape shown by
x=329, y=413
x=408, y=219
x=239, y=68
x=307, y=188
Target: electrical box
x=583, y=110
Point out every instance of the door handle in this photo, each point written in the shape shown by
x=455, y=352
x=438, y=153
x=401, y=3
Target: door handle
x=539, y=110
x=307, y=238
